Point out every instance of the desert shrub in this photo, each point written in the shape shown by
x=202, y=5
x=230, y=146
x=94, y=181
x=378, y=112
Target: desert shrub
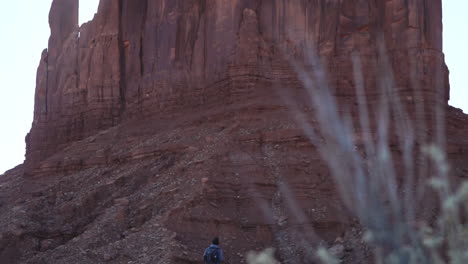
x=386, y=200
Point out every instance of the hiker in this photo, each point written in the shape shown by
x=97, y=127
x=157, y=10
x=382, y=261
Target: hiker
x=213, y=254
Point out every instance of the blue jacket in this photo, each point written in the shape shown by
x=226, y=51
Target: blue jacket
x=220, y=252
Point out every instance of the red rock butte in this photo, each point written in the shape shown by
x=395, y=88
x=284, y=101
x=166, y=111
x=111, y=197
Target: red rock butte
x=160, y=124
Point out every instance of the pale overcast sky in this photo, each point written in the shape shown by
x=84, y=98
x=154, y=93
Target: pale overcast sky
x=24, y=29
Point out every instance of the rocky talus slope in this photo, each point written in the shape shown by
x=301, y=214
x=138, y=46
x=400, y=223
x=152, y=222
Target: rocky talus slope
x=162, y=123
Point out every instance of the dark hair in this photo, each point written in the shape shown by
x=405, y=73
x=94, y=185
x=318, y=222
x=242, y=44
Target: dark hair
x=215, y=241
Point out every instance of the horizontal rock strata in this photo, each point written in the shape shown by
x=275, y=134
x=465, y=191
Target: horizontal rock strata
x=162, y=123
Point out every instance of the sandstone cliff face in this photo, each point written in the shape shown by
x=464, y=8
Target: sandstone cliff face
x=158, y=125
x=143, y=58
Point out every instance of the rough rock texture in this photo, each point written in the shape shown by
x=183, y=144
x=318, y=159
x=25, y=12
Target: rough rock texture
x=159, y=124
x=141, y=58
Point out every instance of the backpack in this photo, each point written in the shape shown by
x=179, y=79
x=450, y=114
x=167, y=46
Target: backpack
x=212, y=255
